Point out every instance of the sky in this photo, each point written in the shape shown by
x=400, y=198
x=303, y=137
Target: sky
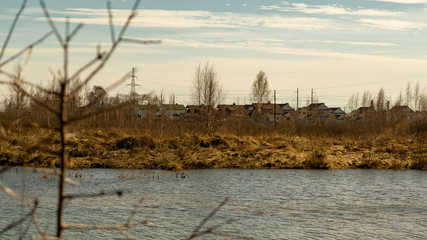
x=337, y=48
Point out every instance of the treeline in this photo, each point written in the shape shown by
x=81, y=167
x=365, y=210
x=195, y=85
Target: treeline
x=413, y=96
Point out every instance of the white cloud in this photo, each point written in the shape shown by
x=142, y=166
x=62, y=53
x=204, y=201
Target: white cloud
x=392, y=24
x=269, y=47
x=403, y=1
x=329, y=10
x=197, y=19
x=382, y=44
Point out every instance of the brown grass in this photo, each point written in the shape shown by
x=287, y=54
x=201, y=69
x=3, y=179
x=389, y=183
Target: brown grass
x=176, y=150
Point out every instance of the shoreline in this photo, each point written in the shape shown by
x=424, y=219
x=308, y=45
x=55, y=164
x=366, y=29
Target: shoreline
x=110, y=149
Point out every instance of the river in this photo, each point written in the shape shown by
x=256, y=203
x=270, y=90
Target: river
x=264, y=204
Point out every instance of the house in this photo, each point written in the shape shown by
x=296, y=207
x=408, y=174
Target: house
x=266, y=112
x=169, y=111
x=337, y=114
x=315, y=112
x=400, y=113
x=288, y=112
x=233, y=111
x=363, y=113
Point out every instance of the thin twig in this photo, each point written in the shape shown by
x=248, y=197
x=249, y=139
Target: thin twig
x=25, y=49
x=117, y=83
x=109, y=53
x=84, y=67
x=40, y=103
x=43, y=89
x=135, y=209
x=52, y=25
x=110, y=20
x=16, y=223
x=207, y=218
x=11, y=192
x=74, y=32
x=94, y=195
x=12, y=27
x=24, y=68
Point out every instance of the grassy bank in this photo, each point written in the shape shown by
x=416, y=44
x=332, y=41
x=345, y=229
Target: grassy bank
x=135, y=148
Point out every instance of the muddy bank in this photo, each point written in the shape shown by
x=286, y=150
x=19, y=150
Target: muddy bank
x=113, y=149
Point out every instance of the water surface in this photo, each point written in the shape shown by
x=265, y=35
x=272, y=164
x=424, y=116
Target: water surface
x=264, y=204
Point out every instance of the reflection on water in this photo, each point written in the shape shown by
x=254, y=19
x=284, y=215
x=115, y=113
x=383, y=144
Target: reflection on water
x=264, y=204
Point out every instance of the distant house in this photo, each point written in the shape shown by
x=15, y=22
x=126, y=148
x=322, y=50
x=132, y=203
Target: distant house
x=315, y=112
x=400, y=113
x=194, y=112
x=288, y=113
x=337, y=114
x=233, y=111
x=169, y=111
x=363, y=113
x=266, y=112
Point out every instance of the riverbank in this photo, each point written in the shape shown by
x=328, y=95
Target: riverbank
x=118, y=149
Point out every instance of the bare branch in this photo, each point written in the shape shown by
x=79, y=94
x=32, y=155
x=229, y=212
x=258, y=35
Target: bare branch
x=110, y=19
x=196, y=231
x=40, y=103
x=24, y=68
x=109, y=53
x=16, y=223
x=25, y=49
x=11, y=192
x=93, y=195
x=45, y=90
x=119, y=82
x=135, y=209
x=52, y=25
x=12, y=27
x=74, y=32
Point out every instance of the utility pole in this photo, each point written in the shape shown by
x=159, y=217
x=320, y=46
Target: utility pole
x=275, y=108
x=312, y=96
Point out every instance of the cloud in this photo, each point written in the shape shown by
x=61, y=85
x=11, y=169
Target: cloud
x=328, y=10
x=403, y=1
x=392, y=24
x=382, y=44
x=196, y=19
x=275, y=48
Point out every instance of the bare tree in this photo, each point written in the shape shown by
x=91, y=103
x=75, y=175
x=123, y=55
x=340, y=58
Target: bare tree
x=408, y=94
x=353, y=102
x=260, y=91
x=399, y=99
x=207, y=92
x=17, y=99
x=380, y=100
x=366, y=99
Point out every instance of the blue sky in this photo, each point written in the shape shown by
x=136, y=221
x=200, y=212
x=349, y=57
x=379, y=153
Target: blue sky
x=338, y=48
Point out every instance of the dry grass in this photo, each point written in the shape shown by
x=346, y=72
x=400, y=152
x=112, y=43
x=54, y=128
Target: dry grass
x=142, y=149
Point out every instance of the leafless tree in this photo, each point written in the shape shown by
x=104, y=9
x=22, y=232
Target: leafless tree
x=380, y=101
x=17, y=99
x=64, y=95
x=353, y=102
x=207, y=92
x=366, y=99
x=260, y=91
